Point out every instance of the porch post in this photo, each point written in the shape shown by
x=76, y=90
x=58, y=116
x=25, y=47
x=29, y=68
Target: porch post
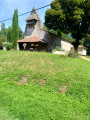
x=18, y=46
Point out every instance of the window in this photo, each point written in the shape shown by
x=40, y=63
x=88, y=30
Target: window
x=31, y=26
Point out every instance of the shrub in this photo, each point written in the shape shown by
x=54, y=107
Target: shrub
x=54, y=50
x=73, y=54
x=8, y=46
x=2, y=39
x=58, y=48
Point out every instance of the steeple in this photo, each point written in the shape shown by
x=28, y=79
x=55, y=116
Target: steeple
x=33, y=23
x=34, y=16
x=33, y=10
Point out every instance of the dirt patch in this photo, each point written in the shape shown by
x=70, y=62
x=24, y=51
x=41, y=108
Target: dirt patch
x=51, y=63
x=16, y=77
x=31, y=81
x=83, y=57
x=63, y=88
x=42, y=61
x=23, y=81
x=43, y=82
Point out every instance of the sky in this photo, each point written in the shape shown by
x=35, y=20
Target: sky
x=7, y=8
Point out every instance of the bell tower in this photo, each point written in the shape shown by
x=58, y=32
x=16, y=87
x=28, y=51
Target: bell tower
x=32, y=22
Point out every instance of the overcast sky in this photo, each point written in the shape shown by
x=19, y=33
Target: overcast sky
x=7, y=8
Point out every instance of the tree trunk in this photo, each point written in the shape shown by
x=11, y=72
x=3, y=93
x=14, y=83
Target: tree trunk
x=76, y=48
x=76, y=44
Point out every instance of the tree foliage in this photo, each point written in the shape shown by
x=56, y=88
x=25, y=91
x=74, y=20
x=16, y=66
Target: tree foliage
x=9, y=34
x=63, y=35
x=2, y=26
x=15, y=29
x=86, y=43
x=21, y=34
x=3, y=30
x=69, y=16
x=2, y=39
x=3, y=35
x=8, y=46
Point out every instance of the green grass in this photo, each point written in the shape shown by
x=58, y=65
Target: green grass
x=36, y=101
x=88, y=56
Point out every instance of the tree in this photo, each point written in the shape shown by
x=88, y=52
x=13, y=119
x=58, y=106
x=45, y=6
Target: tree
x=15, y=29
x=21, y=34
x=86, y=43
x=69, y=16
x=3, y=34
x=2, y=26
x=9, y=34
x=3, y=30
x=2, y=39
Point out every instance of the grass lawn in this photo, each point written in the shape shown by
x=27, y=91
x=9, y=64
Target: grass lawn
x=88, y=56
x=43, y=86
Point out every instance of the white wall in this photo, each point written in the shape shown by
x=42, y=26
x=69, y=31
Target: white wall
x=66, y=45
x=82, y=51
x=4, y=48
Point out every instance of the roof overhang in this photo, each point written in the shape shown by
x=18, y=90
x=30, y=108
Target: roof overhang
x=32, y=40
x=32, y=17
x=80, y=47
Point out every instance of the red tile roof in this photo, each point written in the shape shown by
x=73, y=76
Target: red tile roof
x=32, y=39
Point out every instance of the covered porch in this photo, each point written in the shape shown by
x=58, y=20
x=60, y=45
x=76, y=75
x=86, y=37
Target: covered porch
x=32, y=42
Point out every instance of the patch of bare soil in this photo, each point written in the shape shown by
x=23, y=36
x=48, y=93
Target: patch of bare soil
x=63, y=88
x=42, y=61
x=23, y=81
x=43, y=82
x=16, y=77
x=31, y=81
x=51, y=63
x=83, y=57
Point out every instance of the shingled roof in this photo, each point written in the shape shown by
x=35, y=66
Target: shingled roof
x=33, y=15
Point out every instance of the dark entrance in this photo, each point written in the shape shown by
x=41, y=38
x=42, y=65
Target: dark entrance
x=37, y=46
